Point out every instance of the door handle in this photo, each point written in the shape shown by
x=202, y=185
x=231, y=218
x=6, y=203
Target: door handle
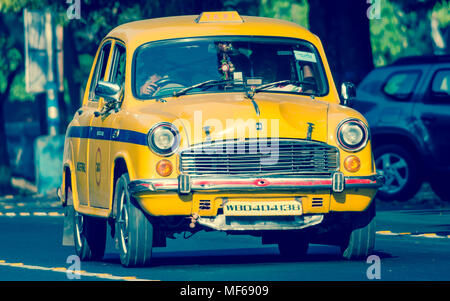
x=428, y=118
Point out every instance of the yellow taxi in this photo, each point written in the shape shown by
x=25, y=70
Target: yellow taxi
x=216, y=122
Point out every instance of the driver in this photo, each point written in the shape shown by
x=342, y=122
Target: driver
x=151, y=87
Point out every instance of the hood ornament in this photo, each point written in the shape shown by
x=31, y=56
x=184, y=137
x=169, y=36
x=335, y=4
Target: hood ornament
x=207, y=130
x=310, y=130
x=250, y=94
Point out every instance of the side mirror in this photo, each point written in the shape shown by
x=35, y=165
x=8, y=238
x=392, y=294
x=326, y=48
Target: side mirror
x=109, y=91
x=348, y=92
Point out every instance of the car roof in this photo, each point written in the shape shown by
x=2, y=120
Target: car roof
x=422, y=59
x=139, y=32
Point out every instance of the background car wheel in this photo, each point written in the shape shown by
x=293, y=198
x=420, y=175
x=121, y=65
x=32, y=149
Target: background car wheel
x=134, y=232
x=294, y=246
x=89, y=237
x=360, y=242
x=401, y=173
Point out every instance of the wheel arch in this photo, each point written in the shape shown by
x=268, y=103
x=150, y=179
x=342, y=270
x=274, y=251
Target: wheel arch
x=120, y=166
x=398, y=138
x=68, y=181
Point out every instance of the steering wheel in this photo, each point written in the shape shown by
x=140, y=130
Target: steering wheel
x=163, y=81
x=166, y=86
x=309, y=83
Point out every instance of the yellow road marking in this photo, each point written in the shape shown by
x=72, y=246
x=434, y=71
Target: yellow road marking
x=64, y=270
x=55, y=214
x=39, y=213
x=427, y=235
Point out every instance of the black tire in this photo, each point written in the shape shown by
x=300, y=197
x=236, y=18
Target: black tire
x=89, y=237
x=293, y=246
x=439, y=184
x=134, y=232
x=401, y=171
x=359, y=243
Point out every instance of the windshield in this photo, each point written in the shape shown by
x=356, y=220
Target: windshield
x=228, y=64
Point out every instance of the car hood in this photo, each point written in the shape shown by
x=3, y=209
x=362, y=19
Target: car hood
x=234, y=116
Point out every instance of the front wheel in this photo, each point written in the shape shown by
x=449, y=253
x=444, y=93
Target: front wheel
x=134, y=232
x=359, y=243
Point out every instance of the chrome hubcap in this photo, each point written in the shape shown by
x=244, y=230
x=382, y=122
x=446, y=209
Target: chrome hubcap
x=396, y=172
x=123, y=224
x=78, y=227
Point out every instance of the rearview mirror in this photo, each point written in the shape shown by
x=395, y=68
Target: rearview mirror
x=348, y=92
x=109, y=91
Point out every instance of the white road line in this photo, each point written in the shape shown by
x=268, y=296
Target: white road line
x=25, y=213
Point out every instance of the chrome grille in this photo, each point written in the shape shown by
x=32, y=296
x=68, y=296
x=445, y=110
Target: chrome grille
x=260, y=157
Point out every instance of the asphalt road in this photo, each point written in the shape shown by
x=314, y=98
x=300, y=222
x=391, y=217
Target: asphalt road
x=410, y=245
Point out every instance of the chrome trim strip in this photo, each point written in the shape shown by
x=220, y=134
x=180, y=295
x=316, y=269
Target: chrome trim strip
x=252, y=184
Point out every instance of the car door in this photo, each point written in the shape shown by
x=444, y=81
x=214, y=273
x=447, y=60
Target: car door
x=102, y=130
x=434, y=113
x=82, y=130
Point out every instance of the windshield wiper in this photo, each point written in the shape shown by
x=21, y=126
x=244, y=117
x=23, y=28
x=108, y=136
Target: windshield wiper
x=253, y=91
x=201, y=85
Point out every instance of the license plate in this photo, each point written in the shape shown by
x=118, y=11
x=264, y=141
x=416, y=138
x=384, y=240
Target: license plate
x=262, y=208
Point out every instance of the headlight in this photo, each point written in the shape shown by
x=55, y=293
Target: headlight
x=163, y=139
x=352, y=135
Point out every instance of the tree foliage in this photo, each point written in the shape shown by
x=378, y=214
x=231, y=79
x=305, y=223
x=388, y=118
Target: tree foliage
x=353, y=43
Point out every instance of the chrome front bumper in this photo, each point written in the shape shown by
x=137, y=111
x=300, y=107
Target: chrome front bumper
x=185, y=184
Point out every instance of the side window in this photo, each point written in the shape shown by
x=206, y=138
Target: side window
x=440, y=87
x=117, y=74
x=100, y=70
x=400, y=85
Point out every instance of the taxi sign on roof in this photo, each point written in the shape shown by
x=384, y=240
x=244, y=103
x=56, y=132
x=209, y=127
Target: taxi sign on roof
x=219, y=17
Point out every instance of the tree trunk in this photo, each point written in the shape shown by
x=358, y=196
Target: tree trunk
x=71, y=67
x=343, y=27
x=5, y=170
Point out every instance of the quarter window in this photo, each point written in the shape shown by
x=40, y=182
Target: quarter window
x=100, y=70
x=118, y=69
x=440, y=87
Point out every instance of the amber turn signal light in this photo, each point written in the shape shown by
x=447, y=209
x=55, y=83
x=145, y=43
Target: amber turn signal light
x=352, y=163
x=164, y=168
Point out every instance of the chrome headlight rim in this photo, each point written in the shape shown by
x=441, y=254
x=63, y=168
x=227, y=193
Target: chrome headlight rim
x=359, y=146
x=163, y=152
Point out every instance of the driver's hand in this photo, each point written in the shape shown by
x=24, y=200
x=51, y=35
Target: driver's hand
x=150, y=87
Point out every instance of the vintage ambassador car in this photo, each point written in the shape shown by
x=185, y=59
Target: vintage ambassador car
x=216, y=122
